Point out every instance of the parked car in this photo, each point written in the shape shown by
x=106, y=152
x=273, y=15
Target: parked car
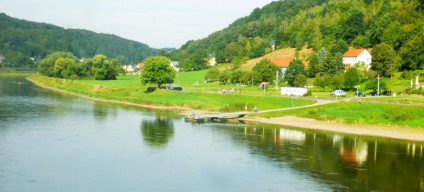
x=338, y=92
x=359, y=94
x=175, y=88
x=387, y=93
x=374, y=93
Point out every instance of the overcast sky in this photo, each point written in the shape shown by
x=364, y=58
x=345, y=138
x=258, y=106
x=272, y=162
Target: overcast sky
x=157, y=23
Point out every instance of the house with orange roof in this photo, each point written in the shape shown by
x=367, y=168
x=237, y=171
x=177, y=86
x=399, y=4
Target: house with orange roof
x=357, y=55
x=284, y=62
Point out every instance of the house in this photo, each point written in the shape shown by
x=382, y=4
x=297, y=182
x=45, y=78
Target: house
x=175, y=64
x=284, y=62
x=129, y=68
x=356, y=55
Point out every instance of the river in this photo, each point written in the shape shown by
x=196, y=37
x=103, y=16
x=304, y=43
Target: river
x=55, y=142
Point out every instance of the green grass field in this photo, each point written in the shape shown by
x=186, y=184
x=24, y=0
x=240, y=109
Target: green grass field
x=365, y=113
x=128, y=88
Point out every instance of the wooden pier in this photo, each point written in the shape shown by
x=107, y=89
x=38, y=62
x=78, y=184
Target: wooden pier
x=216, y=117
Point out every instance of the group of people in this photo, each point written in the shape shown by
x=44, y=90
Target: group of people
x=229, y=91
x=256, y=109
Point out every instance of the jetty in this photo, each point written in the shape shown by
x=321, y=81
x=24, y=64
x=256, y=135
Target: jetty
x=216, y=117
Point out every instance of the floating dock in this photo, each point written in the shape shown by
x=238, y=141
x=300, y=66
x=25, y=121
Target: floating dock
x=217, y=117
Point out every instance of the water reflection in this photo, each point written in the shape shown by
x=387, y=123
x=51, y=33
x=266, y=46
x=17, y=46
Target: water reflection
x=157, y=132
x=343, y=163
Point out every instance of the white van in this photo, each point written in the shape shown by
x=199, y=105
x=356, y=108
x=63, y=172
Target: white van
x=338, y=92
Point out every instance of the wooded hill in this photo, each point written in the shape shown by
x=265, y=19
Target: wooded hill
x=21, y=40
x=318, y=24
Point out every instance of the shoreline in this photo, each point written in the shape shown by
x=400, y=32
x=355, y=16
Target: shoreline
x=393, y=132
x=174, y=109
x=385, y=131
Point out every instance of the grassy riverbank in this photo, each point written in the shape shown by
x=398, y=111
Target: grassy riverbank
x=357, y=113
x=129, y=89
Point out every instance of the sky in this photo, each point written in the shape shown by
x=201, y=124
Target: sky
x=157, y=23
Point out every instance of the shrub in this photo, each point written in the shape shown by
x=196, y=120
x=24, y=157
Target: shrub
x=396, y=115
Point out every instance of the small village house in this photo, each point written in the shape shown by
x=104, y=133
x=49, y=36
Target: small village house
x=175, y=64
x=356, y=55
x=284, y=62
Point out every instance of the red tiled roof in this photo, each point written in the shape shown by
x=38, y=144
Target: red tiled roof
x=140, y=65
x=353, y=53
x=285, y=62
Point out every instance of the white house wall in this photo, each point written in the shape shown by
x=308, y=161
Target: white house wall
x=365, y=57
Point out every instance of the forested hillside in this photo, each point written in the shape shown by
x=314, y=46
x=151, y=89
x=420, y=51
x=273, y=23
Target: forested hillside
x=22, y=40
x=329, y=24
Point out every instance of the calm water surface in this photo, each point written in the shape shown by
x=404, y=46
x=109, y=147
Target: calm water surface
x=54, y=142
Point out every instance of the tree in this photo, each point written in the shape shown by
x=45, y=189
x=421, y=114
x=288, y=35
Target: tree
x=383, y=57
x=373, y=84
x=198, y=60
x=333, y=65
x=212, y=74
x=103, y=68
x=63, y=67
x=224, y=76
x=379, y=23
x=322, y=55
x=352, y=78
x=354, y=25
x=300, y=80
x=157, y=71
x=339, y=47
x=322, y=81
x=46, y=65
x=337, y=81
x=265, y=71
x=295, y=68
x=314, y=66
x=413, y=53
x=236, y=76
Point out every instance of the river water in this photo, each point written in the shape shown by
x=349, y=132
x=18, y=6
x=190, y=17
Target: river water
x=55, y=142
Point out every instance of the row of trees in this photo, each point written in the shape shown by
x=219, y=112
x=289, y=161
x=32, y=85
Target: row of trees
x=394, y=27
x=23, y=42
x=66, y=65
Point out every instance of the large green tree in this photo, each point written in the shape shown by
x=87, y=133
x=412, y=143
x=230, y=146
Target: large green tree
x=265, y=71
x=352, y=78
x=46, y=66
x=295, y=68
x=104, y=69
x=413, y=53
x=157, y=71
x=383, y=59
x=354, y=25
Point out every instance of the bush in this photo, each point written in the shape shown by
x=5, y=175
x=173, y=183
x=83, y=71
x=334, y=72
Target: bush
x=308, y=93
x=74, y=77
x=397, y=115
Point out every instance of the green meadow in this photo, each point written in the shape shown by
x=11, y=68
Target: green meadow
x=129, y=88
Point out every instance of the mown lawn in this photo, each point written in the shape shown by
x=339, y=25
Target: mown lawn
x=354, y=112
x=128, y=88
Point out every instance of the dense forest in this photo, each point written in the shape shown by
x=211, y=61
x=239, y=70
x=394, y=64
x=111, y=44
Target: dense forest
x=23, y=42
x=396, y=26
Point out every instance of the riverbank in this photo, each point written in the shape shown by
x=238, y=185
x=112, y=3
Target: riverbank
x=393, y=132
x=285, y=118
x=173, y=108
